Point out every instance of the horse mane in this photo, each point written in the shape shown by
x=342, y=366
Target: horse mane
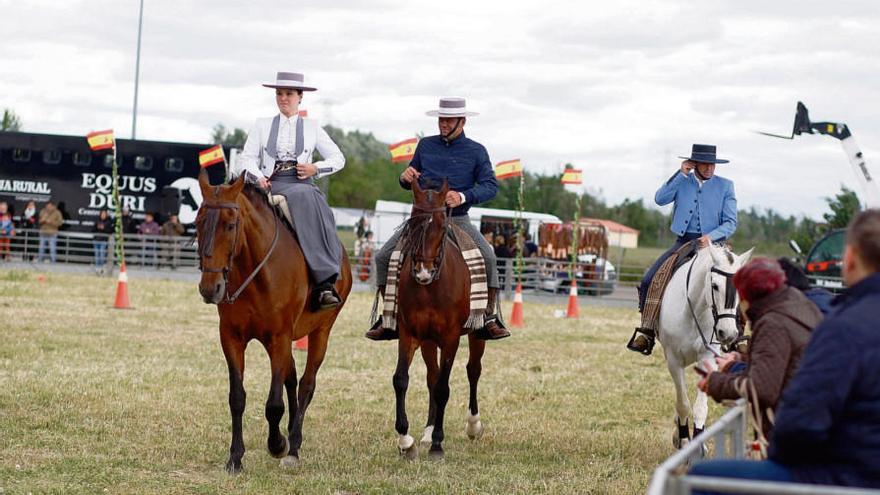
x=413, y=233
x=253, y=194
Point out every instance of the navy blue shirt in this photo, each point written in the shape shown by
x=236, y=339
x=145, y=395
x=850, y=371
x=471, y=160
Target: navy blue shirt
x=828, y=421
x=464, y=162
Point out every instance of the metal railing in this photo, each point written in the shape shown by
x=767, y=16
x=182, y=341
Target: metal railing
x=725, y=439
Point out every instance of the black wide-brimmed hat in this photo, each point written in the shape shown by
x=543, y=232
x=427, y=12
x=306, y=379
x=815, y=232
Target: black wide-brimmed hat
x=704, y=153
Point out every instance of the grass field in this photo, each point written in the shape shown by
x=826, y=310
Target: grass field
x=97, y=400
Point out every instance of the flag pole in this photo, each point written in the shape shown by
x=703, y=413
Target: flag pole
x=574, y=235
x=120, y=247
x=520, y=228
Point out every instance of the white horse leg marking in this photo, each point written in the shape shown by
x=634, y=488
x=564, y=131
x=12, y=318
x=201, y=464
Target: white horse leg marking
x=426, y=437
x=474, y=428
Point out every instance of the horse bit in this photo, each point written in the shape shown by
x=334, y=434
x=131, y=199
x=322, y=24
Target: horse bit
x=227, y=298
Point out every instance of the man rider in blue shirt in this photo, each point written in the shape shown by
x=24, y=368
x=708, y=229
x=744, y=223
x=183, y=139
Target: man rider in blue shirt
x=704, y=208
x=465, y=164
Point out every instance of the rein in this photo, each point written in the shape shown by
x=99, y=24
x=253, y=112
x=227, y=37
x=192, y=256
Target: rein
x=715, y=316
x=227, y=298
x=417, y=245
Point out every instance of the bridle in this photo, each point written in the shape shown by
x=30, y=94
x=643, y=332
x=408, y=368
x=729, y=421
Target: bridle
x=438, y=260
x=729, y=304
x=207, y=252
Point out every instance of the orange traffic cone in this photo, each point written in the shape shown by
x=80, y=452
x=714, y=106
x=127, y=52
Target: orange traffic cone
x=573, y=311
x=122, y=290
x=516, y=317
x=302, y=344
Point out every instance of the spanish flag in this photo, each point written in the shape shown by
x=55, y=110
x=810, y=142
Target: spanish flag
x=508, y=169
x=101, y=140
x=211, y=156
x=303, y=113
x=572, y=176
x=403, y=151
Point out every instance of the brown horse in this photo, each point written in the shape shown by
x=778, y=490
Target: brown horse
x=254, y=271
x=433, y=306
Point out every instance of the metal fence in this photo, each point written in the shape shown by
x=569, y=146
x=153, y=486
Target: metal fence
x=725, y=439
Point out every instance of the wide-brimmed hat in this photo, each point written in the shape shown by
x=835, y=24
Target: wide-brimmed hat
x=451, y=106
x=704, y=153
x=290, y=80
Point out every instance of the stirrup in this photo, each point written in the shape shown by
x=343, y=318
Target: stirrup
x=648, y=338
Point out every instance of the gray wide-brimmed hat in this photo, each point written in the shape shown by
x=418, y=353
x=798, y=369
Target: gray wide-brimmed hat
x=290, y=80
x=704, y=153
x=451, y=106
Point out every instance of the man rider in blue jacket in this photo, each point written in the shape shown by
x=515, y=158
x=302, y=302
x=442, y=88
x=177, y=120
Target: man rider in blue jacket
x=704, y=208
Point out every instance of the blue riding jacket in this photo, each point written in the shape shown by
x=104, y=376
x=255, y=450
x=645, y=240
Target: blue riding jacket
x=713, y=206
x=464, y=162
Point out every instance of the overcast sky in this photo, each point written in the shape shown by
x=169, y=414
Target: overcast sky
x=619, y=89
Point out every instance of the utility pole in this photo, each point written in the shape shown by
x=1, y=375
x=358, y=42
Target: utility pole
x=137, y=73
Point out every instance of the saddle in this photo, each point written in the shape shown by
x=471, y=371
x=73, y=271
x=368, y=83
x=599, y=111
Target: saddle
x=651, y=311
x=280, y=204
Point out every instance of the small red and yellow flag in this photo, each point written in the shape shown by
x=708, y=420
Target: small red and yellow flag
x=508, y=169
x=403, y=151
x=572, y=176
x=101, y=140
x=303, y=113
x=211, y=156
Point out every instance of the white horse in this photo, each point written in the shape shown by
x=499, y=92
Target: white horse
x=697, y=315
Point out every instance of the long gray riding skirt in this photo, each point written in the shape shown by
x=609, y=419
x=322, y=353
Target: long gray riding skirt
x=313, y=222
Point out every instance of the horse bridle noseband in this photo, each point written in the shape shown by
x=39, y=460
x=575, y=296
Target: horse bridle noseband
x=438, y=261
x=227, y=298
x=716, y=317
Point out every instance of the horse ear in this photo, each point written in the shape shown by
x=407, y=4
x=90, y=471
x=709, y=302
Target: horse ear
x=717, y=259
x=238, y=185
x=445, y=188
x=744, y=258
x=417, y=191
x=204, y=185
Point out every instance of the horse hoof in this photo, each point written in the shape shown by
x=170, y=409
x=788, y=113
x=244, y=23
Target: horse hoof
x=283, y=452
x=474, y=429
x=233, y=468
x=408, y=447
x=426, y=440
x=290, y=462
x=436, y=455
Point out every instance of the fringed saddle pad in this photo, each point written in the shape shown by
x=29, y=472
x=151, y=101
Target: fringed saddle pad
x=651, y=311
x=479, y=293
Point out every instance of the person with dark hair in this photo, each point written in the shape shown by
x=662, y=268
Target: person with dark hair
x=826, y=429
x=102, y=229
x=7, y=230
x=796, y=278
x=529, y=247
x=782, y=319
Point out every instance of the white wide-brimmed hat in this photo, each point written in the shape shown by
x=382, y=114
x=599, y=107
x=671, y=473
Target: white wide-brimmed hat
x=290, y=80
x=451, y=106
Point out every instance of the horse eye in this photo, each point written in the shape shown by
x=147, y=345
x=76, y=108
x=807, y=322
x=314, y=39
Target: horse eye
x=231, y=226
x=715, y=287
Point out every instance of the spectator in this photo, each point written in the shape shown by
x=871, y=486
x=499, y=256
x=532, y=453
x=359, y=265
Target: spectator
x=170, y=248
x=7, y=230
x=826, y=424
x=128, y=225
x=796, y=278
x=782, y=319
x=28, y=222
x=50, y=221
x=530, y=249
x=149, y=228
x=501, y=249
x=102, y=229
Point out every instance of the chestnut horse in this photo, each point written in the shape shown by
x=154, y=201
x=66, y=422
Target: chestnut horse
x=253, y=269
x=432, y=308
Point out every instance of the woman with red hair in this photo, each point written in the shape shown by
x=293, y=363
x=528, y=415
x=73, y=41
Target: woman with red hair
x=781, y=319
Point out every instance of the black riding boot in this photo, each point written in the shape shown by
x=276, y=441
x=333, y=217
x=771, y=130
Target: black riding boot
x=377, y=332
x=493, y=329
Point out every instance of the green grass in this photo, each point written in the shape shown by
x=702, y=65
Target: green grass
x=97, y=400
